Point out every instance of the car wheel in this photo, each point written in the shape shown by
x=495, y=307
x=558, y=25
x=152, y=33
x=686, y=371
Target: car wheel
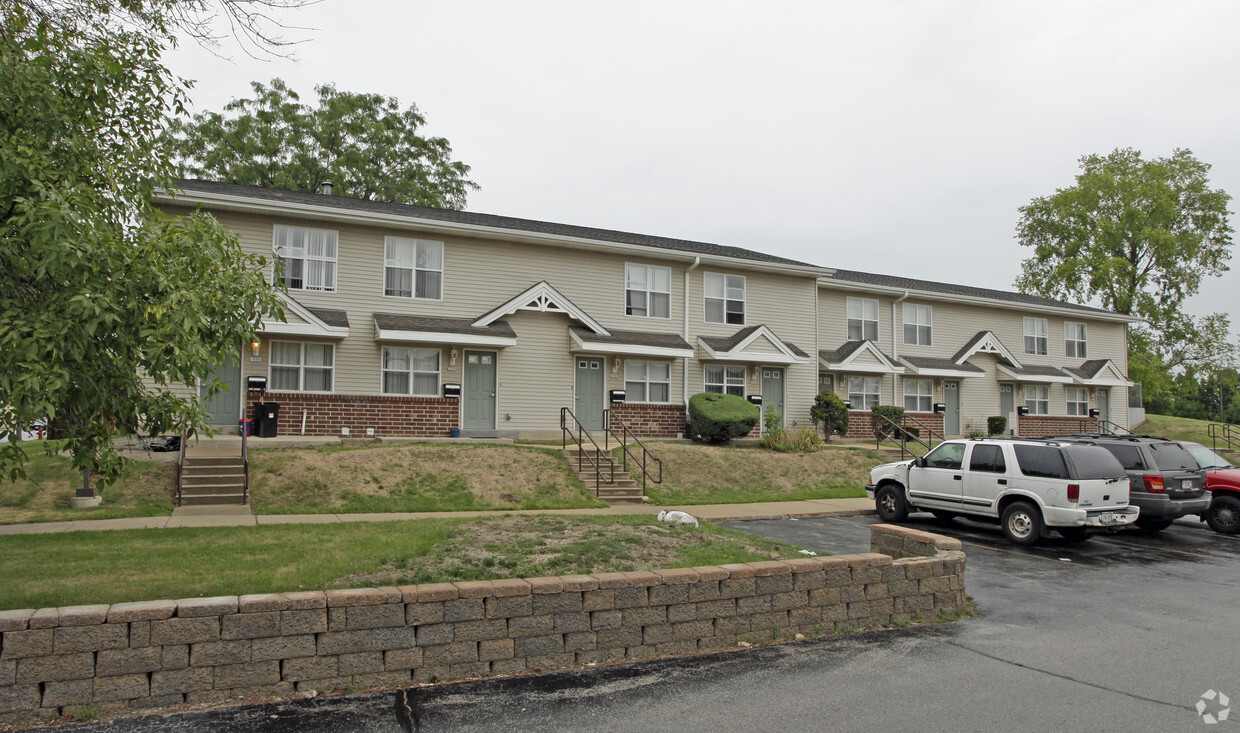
x=1224, y=514
x=1154, y=525
x=890, y=504
x=1075, y=534
x=943, y=516
x=1022, y=523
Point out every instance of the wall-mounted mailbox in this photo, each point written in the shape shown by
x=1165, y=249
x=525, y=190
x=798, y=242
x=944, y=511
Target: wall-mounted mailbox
x=452, y=390
x=847, y=404
x=940, y=408
x=1022, y=410
x=256, y=384
x=1095, y=413
x=755, y=399
x=616, y=395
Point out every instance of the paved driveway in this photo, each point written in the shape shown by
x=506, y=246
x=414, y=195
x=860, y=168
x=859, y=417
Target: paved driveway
x=1124, y=632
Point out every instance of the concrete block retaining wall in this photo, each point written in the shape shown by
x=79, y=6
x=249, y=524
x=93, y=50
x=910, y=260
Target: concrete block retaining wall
x=161, y=653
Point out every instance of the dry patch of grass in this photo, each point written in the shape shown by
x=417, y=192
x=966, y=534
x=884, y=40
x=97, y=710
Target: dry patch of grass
x=412, y=478
x=705, y=474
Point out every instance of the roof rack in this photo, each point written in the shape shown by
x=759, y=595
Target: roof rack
x=1132, y=437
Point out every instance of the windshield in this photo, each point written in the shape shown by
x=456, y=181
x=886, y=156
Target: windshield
x=1173, y=457
x=1090, y=461
x=1206, y=457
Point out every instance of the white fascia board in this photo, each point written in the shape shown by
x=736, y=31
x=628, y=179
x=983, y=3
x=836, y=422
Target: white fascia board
x=582, y=345
x=243, y=203
x=1115, y=378
x=914, y=293
x=280, y=328
x=770, y=336
x=1036, y=378
x=542, y=289
x=751, y=357
x=436, y=337
x=949, y=373
x=862, y=368
x=992, y=340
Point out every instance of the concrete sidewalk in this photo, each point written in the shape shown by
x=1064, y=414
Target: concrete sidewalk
x=234, y=516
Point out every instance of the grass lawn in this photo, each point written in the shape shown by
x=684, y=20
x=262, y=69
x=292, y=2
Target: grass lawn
x=705, y=474
x=1181, y=428
x=412, y=477
x=39, y=571
x=144, y=490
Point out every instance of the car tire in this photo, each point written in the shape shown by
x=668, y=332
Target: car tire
x=1074, y=534
x=1154, y=525
x=1022, y=523
x=890, y=503
x=1223, y=514
x=943, y=516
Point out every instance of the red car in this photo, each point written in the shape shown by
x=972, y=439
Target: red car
x=1223, y=483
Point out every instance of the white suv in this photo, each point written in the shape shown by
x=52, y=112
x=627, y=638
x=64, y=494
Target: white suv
x=1029, y=486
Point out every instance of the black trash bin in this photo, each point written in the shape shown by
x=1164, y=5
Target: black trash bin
x=268, y=417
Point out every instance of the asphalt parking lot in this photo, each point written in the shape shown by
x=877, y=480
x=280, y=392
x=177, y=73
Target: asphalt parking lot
x=1124, y=632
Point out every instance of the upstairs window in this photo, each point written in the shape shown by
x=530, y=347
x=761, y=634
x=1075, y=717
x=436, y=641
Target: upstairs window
x=918, y=395
x=1078, y=401
x=918, y=321
x=647, y=291
x=863, y=392
x=297, y=367
x=862, y=319
x=409, y=371
x=305, y=258
x=647, y=381
x=412, y=268
x=1074, y=340
x=725, y=298
x=723, y=379
x=1038, y=400
x=1035, y=336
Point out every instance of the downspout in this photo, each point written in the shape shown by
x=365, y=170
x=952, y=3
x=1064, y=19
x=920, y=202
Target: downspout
x=895, y=350
x=684, y=371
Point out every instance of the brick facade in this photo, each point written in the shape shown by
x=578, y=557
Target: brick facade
x=418, y=417
x=1035, y=426
x=204, y=650
x=651, y=421
x=860, y=426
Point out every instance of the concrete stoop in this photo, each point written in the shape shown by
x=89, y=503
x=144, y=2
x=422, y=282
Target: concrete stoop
x=615, y=486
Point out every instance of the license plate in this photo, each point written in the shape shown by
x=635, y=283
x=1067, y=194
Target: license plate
x=1187, y=485
x=1109, y=518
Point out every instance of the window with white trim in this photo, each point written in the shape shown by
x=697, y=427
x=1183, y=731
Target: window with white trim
x=862, y=319
x=724, y=379
x=917, y=324
x=647, y=291
x=725, y=298
x=1038, y=400
x=1078, y=401
x=863, y=392
x=918, y=395
x=1074, y=339
x=300, y=367
x=412, y=268
x=647, y=381
x=305, y=258
x=410, y=371
x=1035, y=336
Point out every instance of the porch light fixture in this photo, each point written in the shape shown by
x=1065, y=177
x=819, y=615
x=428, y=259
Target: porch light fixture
x=615, y=366
x=255, y=345
x=452, y=356
x=753, y=378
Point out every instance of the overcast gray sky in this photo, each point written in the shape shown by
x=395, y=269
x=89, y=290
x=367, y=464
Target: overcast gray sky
x=892, y=137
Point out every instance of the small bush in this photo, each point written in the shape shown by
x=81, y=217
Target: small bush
x=772, y=436
x=912, y=431
x=800, y=440
x=882, y=430
x=718, y=418
x=829, y=414
x=996, y=424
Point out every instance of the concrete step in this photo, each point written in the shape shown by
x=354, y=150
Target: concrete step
x=211, y=477
x=208, y=461
x=212, y=489
x=213, y=500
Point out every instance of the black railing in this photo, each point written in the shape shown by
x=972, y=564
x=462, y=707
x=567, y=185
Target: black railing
x=1225, y=433
x=181, y=466
x=568, y=424
x=245, y=461
x=623, y=435
x=1106, y=427
x=884, y=428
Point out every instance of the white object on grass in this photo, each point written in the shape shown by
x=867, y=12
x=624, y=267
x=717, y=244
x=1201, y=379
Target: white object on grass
x=677, y=518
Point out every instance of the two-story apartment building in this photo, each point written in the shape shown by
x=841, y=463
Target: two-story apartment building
x=412, y=321
x=405, y=320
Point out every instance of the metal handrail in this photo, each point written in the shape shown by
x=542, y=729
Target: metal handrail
x=625, y=435
x=1106, y=427
x=245, y=460
x=181, y=464
x=596, y=460
x=924, y=428
x=1226, y=432
x=877, y=420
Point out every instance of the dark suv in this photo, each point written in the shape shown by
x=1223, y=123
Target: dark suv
x=1167, y=482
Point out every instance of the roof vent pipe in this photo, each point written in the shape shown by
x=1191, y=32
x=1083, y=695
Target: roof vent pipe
x=325, y=188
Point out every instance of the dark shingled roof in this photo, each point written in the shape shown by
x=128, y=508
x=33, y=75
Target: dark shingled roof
x=344, y=203
x=847, y=350
x=905, y=283
x=435, y=324
x=1089, y=369
x=331, y=317
x=1034, y=371
x=934, y=362
x=730, y=342
x=969, y=345
x=633, y=338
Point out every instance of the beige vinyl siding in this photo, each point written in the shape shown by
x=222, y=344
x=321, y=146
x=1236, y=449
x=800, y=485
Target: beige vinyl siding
x=535, y=377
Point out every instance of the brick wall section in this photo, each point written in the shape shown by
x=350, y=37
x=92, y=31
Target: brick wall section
x=860, y=426
x=202, y=650
x=651, y=421
x=1035, y=426
x=420, y=417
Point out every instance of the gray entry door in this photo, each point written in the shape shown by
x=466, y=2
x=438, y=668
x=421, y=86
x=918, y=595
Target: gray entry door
x=773, y=395
x=479, y=390
x=1104, y=404
x=951, y=418
x=588, y=405
x=1007, y=399
x=225, y=409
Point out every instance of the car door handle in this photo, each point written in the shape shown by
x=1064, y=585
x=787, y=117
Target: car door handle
x=957, y=477
x=1003, y=482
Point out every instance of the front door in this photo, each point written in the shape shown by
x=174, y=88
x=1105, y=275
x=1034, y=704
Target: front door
x=1007, y=399
x=772, y=395
x=1104, y=405
x=588, y=405
x=479, y=391
x=225, y=409
x=951, y=398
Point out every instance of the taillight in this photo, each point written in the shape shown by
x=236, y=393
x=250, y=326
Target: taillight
x=1074, y=492
x=1154, y=484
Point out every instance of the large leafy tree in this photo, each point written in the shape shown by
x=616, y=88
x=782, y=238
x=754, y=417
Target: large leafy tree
x=104, y=303
x=365, y=145
x=1138, y=236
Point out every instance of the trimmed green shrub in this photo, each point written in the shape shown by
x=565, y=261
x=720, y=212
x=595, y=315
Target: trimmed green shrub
x=996, y=424
x=882, y=429
x=829, y=414
x=718, y=418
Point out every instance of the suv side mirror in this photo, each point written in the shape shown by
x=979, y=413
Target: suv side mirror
x=919, y=462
